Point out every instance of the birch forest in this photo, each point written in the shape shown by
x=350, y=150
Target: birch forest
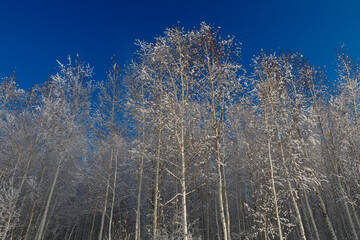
x=183, y=143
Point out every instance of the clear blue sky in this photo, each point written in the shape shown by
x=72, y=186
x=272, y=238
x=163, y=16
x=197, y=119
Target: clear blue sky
x=34, y=34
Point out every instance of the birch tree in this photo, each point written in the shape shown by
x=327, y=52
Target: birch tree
x=110, y=128
x=65, y=107
x=218, y=86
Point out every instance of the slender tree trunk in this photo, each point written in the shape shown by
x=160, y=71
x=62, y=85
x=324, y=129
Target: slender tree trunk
x=106, y=199
x=226, y=207
x=104, y=212
x=352, y=226
x=157, y=172
x=183, y=191
x=141, y=170
x=228, y=231
x=217, y=221
x=72, y=230
x=318, y=194
x=34, y=205
x=51, y=213
x=305, y=218
x=43, y=220
x=324, y=212
x=273, y=189
x=220, y=183
x=221, y=201
x=113, y=197
x=291, y=190
x=48, y=202
x=138, y=207
x=311, y=215
x=30, y=221
x=7, y=226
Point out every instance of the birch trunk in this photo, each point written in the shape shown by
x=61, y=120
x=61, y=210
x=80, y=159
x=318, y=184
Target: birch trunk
x=183, y=193
x=157, y=172
x=106, y=200
x=324, y=212
x=30, y=221
x=226, y=208
x=273, y=189
x=43, y=219
x=221, y=201
x=311, y=215
x=291, y=190
x=352, y=226
x=138, y=207
x=113, y=198
x=141, y=171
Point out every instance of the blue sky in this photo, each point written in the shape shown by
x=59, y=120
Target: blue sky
x=34, y=34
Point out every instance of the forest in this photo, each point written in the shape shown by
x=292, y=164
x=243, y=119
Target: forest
x=183, y=143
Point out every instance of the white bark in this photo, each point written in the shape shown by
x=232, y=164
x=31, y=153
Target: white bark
x=324, y=212
x=156, y=195
x=48, y=202
x=272, y=178
x=113, y=198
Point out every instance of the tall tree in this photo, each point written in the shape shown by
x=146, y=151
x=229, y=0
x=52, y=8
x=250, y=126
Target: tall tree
x=110, y=114
x=65, y=106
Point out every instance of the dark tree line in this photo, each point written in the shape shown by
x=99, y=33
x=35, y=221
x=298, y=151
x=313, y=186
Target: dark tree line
x=185, y=144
